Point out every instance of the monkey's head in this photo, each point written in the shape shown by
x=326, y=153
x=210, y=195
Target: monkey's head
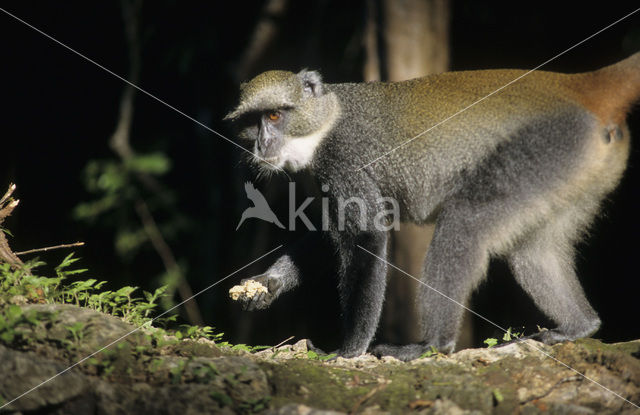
x=286, y=115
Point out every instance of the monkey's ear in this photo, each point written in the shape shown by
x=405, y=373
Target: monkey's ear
x=311, y=83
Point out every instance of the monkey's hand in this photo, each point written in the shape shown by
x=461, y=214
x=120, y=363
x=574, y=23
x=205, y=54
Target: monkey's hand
x=261, y=298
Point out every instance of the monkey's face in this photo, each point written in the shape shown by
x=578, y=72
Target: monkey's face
x=277, y=142
x=266, y=133
x=286, y=115
x=269, y=136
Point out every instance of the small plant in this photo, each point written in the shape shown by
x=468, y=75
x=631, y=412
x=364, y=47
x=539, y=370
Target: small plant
x=8, y=321
x=508, y=336
x=254, y=405
x=105, y=363
x=160, y=337
x=315, y=356
x=490, y=342
x=244, y=347
x=207, y=373
x=13, y=321
x=177, y=372
x=431, y=352
x=497, y=395
x=90, y=293
x=222, y=398
x=85, y=293
x=63, y=272
x=155, y=365
x=77, y=331
x=196, y=332
x=140, y=349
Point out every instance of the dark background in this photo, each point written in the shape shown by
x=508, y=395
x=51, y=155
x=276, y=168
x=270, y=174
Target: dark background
x=58, y=112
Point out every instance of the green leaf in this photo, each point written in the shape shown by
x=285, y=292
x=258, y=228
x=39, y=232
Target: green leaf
x=126, y=291
x=152, y=163
x=91, y=210
x=490, y=342
x=75, y=271
x=33, y=318
x=68, y=260
x=507, y=335
x=75, y=327
x=13, y=313
x=160, y=291
x=7, y=336
x=431, y=352
x=241, y=347
x=222, y=398
x=129, y=241
x=497, y=395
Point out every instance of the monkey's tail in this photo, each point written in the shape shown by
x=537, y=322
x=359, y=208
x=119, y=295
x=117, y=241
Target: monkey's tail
x=614, y=89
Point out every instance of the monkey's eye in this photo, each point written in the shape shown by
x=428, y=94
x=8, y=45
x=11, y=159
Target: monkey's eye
x=274, y=115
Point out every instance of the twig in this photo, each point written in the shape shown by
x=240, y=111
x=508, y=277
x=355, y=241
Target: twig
x=281, y=343
x=6, y=207
x=12, y=187
x=170, y=264
x=49, y=248
x=369, y=394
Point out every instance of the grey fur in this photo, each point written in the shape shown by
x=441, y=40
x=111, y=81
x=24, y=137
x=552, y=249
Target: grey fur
x=520, y=176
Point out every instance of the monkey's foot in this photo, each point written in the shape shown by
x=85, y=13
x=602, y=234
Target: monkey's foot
x=550, y=337
x=347, y=354
x=401, y=352
x=311, y=347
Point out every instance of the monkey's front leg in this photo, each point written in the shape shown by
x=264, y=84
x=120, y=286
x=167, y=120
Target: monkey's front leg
x=285, y=274
x=281, y=277
x=362, y=288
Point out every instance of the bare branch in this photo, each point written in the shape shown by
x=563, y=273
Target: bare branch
x=6, y=207
x=49, y=248
x=8, y=193
x=368, y=395
x=281, y=343
x=120, y=139
x=169, y=261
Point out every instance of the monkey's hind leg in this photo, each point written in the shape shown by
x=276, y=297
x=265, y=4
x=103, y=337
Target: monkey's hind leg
x=543, y=265
x=543, y=260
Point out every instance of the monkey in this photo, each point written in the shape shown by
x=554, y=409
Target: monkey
x=519, y=174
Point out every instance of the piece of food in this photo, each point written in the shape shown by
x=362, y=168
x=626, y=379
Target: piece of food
x=248, y=289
